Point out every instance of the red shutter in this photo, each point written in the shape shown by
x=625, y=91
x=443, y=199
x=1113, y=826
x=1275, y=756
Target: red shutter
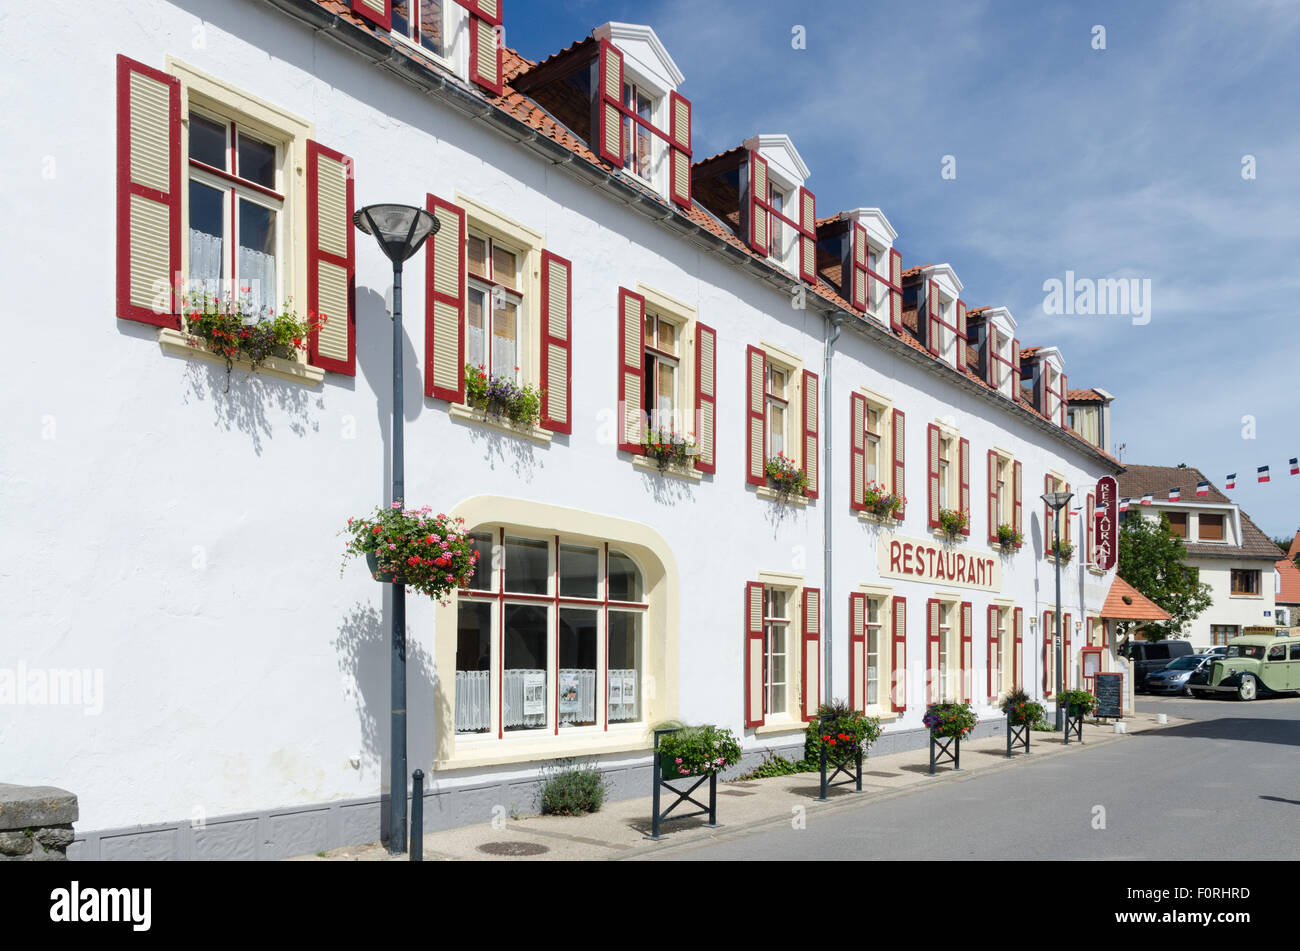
x=444, y=304
x=1047, y=516
x=963, y=491
x=933, y=310
x=1017, y=479
x=631, y=370
x=990, y=354
x=1065, y=656
x=331, y=260
x=1018, y=641
x=858, y=652
x=811, y=660
x=1090, y=522
x=1060, y=399
x=1049, y=655
x=148, y=194
x=961, y=333
x=967, y=650
x=1069, y=519
x=378, y=12
x=755, y=205
x=932, y=474
x=994, y=648
x=900, y=460
x=857, y=280
x=898, y=657
x=706, y=412
x=933, y=689
x=486, y=54
x=679, y=171
x=755, y=428
x=811, y=462
x=1015, y=370
x=858, y=452
x=557, y=343
x=754, y=654
x=895, y=291
x=994, y=514
x=609, y=97
x=807, y=236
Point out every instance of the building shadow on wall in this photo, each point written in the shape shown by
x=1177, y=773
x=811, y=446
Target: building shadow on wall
x=667, y=490
x=500, y=449
x=250, y=401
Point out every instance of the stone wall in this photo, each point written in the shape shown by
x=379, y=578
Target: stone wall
x=36, y=823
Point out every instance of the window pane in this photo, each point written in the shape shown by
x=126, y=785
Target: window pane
x=207, y=248
x=579, y=572
x=776, y=437
x=624, y=578
x=667, y=337
x=402, y=17
x=474, y=346
x=505, y=267
x=526, y=567
x=774, y=636
x=476, y=249
x=473, y=667
x=505, y=346
x=667, y=387
x=625, y=676
x=208, y=141
x=256, y=161
x=431, y=26
x=484, y=578
x=256, y=264
x=524, y=695
x=577, y=683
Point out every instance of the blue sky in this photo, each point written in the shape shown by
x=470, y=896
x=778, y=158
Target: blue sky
x=1123, y=162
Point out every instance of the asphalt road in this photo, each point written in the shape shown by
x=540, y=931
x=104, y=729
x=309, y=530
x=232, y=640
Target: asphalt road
x=1225, y=786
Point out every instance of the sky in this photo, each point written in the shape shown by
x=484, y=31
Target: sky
x=1152, y=140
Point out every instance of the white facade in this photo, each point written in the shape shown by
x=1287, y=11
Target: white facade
x=182, y=542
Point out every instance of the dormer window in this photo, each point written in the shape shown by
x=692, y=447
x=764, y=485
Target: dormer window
x=422, y=23
x=638, y=140
x=942, y=316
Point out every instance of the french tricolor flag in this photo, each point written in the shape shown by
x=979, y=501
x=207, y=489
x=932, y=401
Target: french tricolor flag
x=1263, y=473
x=1176, y=494
x=1295, y=466
x=1099, y=509
x=1148, y=498
x=1231, y=481
x=1203, y=488
x=1123, y=505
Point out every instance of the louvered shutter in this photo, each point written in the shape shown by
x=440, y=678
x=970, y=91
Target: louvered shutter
x=1015, y=370
x=609, y=97
x=444, y=304
x=895, y=290
x=1060, y=400
x=858, y=452
x=933, y=689
x=148, y=194
x=811, y=461
x=900, y=461
x=1049, y=654
x=331, y=261
x=858, y=652
x=706, y=411
x=758, y=221
x=967, y=651
x=994, y=648
x=1069, y=520
x=812, y=652
x=1018, y=644
x=1090, y=523
x=486, y=48
x=857, y=280
x=994, y=514
x=1047, y=517
x=1017, y=480
x=631, y=370
x=807, y=236
x=680, y=149
x=1067, y=664
x=932, y=474
x=378, y=12
x=755, y=430
x=990, y=354
x=961, y=333
x=933, y=314
x=963, y=489
x=753, y=654
x=557, y=343
x=898, y=657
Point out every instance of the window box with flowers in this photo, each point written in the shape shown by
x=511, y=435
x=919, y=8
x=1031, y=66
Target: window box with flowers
x=1061, y=551
x=414, y=547
x=501, y=403
x=670, y=451
x=880, y=502
x=786, y=481
x=953, y=522
x=1009, y=539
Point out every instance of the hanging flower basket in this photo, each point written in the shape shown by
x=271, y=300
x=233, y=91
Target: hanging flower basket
x=413, y=547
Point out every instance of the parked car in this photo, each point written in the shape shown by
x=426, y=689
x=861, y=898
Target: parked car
x=1255, y=665
x=1148, y=657
x=1173, y=677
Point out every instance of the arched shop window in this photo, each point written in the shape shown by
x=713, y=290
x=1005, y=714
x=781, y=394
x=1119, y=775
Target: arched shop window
x=550, y=636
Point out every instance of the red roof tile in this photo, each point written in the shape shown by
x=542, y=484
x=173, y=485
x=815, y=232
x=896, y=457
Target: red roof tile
x=1295, y=547
x=1085, y=395
x=1290, y=593
x=1126, y=603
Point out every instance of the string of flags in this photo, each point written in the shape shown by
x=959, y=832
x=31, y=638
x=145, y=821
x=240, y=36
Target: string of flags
x=1203, y=487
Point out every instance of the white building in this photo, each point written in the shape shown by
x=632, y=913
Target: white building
x=180, y=542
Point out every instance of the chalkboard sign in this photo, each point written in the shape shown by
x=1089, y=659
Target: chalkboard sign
x=1110, y=695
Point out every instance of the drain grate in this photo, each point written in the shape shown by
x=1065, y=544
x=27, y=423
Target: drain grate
x=884, y=775
x=513, y=848
x=734, y=792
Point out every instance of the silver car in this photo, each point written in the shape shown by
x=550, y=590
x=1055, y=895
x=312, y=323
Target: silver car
x=1172, y=678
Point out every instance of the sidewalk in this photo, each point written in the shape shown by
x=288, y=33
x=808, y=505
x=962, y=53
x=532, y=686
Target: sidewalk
x=619, y=830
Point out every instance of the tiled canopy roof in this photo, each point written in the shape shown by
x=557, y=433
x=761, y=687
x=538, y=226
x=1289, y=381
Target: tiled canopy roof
x=1290, y=593
x=1126, y=603
x=1087, y=395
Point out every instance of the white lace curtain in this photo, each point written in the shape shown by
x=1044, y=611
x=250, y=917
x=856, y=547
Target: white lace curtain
x=474, y=698
x=256, y=272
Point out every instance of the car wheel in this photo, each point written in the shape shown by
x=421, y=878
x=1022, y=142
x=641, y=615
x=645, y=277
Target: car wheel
x=1247, y=689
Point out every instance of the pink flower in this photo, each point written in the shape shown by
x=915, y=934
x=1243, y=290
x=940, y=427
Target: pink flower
x=392, y=547
x=678, y=760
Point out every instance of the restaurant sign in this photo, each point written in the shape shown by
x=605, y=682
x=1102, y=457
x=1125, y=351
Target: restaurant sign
x=915, y=559
x=1106, y=523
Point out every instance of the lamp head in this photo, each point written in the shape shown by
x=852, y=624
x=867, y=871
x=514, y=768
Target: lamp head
x=401, y=230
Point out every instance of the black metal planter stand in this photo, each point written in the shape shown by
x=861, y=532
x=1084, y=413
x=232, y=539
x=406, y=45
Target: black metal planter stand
x=850, y=769
x=1017, y=736
x=1073, y=724
x=945, y=749
x=661, y=815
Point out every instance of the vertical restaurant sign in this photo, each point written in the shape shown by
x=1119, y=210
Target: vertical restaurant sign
x=1106, y=523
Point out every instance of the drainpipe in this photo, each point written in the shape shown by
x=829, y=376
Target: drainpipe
x=828, y=441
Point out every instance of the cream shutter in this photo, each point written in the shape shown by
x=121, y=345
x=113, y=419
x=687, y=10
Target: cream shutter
x=755, y=430
x=756, y=205
x=753, y=654
x=608, y=125
x=706, y=347
x=680, y=149
x=631, y=371
x=556, y=333
x=858, y=651
x=444, y=304
x=898, y=658
x=811, y=451
x=811, y=659
x=331, y=270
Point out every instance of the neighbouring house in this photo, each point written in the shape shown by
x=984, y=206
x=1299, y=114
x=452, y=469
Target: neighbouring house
x=1229, y=552
x=1286, y=592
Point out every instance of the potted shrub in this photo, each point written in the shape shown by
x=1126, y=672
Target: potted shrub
x=697, y=751
x=846, y=732
x=1009, y=538
x=880, y=502
x=230, y=328
x=787, y=478
x=952, y=522
x=1077, y=703
x=427, y=552
x=501, y=396
x=1021, y=710
x=669, y=448
x=1061, y=550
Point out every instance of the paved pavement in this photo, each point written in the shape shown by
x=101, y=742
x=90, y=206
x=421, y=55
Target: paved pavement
x=1220, y=780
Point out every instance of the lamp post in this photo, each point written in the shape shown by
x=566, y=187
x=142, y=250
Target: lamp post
x=400, y=230
x=1057, y=501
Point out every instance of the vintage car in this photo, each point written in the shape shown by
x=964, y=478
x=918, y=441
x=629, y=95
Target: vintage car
x=1255, y=665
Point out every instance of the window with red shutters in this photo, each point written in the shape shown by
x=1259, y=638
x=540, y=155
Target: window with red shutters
x=756, y=205
x=934, y=475
x=1017, y=484
x=755, y=416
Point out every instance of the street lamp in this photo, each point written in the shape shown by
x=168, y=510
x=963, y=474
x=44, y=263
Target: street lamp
x=401, y=230
x=1057, y=501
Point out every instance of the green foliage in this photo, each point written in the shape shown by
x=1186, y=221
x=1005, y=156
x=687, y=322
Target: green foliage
x=698, y=751
x=1020, y=709
x=230, y=328
x=668, y=448
x=953, y=521
x=569, y=790
x=1061, y=550
x=1008, y=537
x=881, y=502
x=502, y=396
x=1152, y=559
x=427, y=552
x=950, y=719
x=774, y=765
x=787, y=478
x=1078, y=701
x=846, y=732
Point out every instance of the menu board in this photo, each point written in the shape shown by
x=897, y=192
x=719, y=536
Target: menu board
x=1110, y=695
